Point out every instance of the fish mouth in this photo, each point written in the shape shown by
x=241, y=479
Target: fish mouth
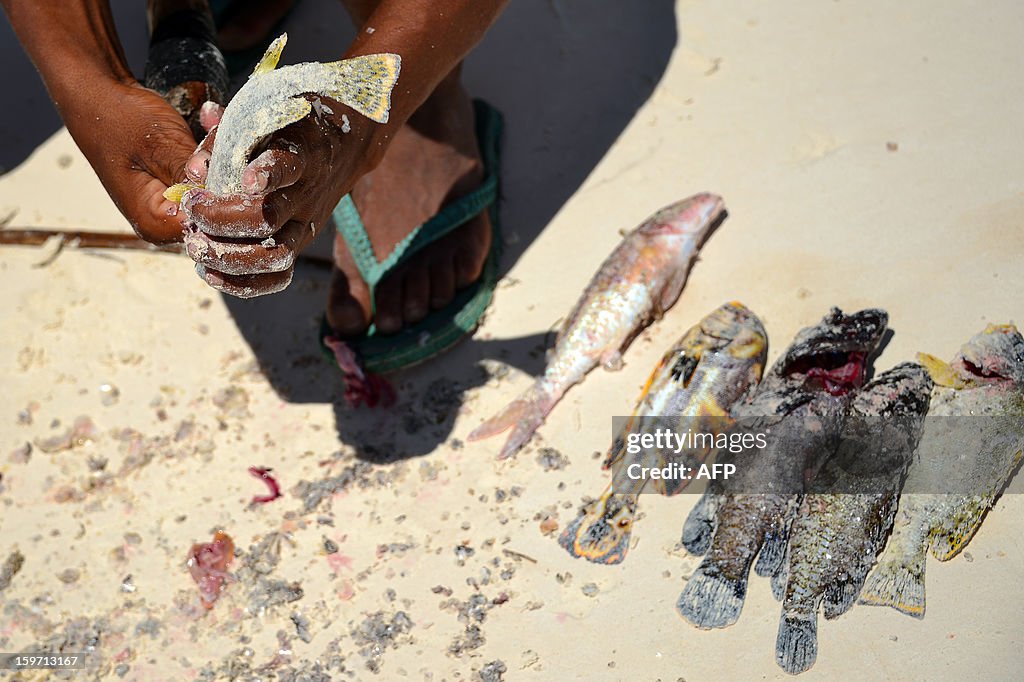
x=836, y=372
x=996, y=354
x=833, y=355
x=697, y=214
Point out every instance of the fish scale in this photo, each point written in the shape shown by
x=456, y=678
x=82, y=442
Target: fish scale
x=986, y=380
x=725, y=353
x=845, y=517
x=641, y=279
x=806, y=394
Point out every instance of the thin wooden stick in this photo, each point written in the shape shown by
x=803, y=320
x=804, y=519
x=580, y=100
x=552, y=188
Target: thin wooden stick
x=83, y=239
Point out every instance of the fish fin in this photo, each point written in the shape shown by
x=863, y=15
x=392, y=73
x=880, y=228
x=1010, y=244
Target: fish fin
x=840, y=597
x=796, y=646
x=778, y=582
x=268, y=62
x=700, y=525
x=175, y=193
x=781, y=577
x=710, y=600
x=670, y=294
x=525, y=414
x=941, y=372
x=612, y=361
x=772, y=557
x=602, y=540
x=952, y=535
x=365, y=83
x=898, y=582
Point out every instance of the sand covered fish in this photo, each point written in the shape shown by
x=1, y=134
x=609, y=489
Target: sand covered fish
x=847, y=513
x=640, y=280
x=274, y=98
x=707, y=371
x=801, y=404
x=971, y=446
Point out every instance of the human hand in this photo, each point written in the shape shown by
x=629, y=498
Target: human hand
x=246, y=244
x=138, y=145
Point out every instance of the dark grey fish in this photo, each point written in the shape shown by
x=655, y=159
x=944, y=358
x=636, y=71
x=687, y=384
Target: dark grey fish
x=802, y=401
x=848, y=511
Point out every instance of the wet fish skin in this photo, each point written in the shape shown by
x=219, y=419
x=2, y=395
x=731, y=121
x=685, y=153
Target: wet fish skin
x=985, y=379
x=710, y=368
x=641, y=279
x=846, y=516
x=804, y=399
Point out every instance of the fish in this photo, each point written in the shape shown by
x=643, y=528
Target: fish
x=273, y=98
x=970, y=449
x=640, y=280
x=847, y=514
x=801, y=404
x=710, y=368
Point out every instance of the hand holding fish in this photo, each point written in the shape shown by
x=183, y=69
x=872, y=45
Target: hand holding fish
x=246, y=243
x=318, y=126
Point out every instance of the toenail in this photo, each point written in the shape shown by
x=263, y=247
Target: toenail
x=388, y=324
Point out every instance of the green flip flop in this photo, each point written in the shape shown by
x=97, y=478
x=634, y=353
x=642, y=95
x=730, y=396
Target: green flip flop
x=439, y=331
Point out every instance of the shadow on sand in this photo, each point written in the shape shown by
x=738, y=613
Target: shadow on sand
x=569, y=76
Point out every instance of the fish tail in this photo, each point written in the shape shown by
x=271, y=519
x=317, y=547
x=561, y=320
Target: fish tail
x=365, y=84
x=524, y=415
x=700, y=525
x=712, y=600
x=796, y=646
x=601, y=534
x=953, y=535
x=898, y=582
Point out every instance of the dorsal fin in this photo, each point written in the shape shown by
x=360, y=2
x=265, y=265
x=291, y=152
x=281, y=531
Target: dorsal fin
x=270, y=58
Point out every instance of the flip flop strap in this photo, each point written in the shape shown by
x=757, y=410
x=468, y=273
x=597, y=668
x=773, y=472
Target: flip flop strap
x=350, y=226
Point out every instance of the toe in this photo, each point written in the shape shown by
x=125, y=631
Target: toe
x=442, y=282
x=415, y=295
x=388, y=316
x=346, y=312
x=472, y=252
x=348, y=300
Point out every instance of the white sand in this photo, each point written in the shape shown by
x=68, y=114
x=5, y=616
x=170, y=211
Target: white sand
x=787, y=114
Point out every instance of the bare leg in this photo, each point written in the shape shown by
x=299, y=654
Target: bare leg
x=433, y=160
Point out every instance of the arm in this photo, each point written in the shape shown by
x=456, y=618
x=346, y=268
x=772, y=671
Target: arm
x=136, y=143
x=297, y=191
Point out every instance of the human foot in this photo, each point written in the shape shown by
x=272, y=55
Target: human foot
x=433, y=160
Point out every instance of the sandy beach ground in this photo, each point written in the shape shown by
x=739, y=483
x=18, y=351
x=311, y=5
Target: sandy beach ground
x=869, y=154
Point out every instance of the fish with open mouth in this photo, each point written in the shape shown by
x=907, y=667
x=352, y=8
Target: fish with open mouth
x=848, y=511
x=970, y=448
x=800, y=406
x=709, y=369
x=641, y=279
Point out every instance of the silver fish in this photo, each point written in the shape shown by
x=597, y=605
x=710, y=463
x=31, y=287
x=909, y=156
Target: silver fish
x=984, y=385
x=704, y=374
x=847, y=514
x=640, y=280
x=803, y=401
